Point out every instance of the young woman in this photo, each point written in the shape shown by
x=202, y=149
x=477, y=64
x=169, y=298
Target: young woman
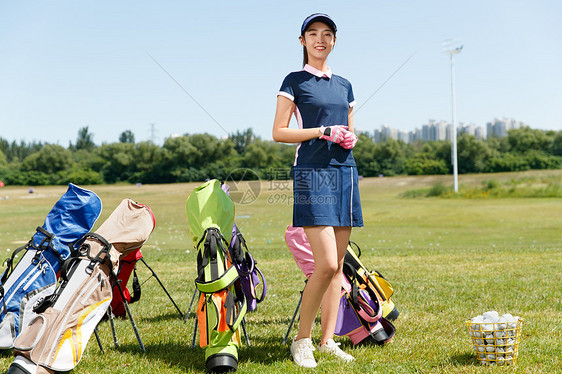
x=326, y=198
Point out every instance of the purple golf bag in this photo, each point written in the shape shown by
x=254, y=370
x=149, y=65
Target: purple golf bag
x=245, y=264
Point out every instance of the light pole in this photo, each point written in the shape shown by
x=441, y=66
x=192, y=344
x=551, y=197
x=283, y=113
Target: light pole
x=451, y=48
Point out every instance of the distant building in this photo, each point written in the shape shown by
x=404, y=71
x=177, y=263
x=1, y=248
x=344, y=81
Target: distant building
x=434, y=130
x=404, y=136
x=500, y=126
x=471, y=129
x=385, y=133
x=441, y=130
x=479, y=133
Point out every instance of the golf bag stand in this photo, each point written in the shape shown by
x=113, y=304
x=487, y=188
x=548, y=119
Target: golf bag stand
x=162, y=285
x=122, y=301
x=111, y=316
x=128, y=266
x=294, y=314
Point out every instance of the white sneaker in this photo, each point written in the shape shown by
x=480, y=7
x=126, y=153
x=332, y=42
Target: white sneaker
x=301, y=350
x=332, y=348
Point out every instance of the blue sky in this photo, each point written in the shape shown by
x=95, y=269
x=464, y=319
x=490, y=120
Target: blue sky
x=69, y=64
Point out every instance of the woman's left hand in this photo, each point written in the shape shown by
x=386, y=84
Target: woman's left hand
x=349, y=140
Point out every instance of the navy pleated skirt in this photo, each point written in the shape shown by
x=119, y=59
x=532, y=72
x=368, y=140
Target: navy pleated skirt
x=326, y=196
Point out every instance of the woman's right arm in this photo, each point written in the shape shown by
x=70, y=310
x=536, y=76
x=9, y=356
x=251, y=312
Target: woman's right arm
x=281, y=131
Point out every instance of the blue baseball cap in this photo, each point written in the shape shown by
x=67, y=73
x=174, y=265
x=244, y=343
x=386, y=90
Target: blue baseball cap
x=318, y=17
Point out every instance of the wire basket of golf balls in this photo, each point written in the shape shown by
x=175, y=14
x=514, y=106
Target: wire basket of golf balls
x=495, y=338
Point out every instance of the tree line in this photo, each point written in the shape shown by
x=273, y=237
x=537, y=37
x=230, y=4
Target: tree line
x=196, y=157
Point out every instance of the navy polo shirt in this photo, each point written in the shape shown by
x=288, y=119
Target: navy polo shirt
x=322, y=99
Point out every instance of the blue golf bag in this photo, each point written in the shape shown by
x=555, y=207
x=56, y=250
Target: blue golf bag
x=35, y=276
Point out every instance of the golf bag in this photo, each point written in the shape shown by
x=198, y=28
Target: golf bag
x=127, y=265
x=361, y=314
x=35, y=275
x=56, y=339
x=222, y=304
x=246, y=266
x=373, y=279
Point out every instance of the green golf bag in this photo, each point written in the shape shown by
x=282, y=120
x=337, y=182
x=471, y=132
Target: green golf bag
x=222, y=305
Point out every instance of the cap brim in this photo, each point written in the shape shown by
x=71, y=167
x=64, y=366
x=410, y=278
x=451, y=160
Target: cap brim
x=319, y=18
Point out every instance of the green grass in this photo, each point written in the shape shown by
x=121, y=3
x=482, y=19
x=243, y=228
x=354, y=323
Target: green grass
x=448, y=260
x=527, y=186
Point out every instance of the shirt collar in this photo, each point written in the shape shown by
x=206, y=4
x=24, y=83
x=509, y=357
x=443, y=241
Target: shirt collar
x=318, y=73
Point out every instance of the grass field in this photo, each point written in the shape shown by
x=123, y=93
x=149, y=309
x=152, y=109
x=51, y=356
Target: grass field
x=448, y=260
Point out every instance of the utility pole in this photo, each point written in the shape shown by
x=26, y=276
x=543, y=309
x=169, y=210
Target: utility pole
x=153, y=133
x=452, y=47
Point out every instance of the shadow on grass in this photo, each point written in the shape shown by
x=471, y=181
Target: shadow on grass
x=170, y=316
x=175, y=354
x=6, y=353
x=464, y=359
x=264, y=350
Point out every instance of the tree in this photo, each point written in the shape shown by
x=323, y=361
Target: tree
x=390, y=155
x=242, y=139
x=525, y=139
x=118, y=161
x=127, y=136
x=85, y=139
x=51, y=159
x=557, y=144
x=364, y=153
x=4, y=145
x=474, y=155
x=257, y=155
x=148, y=164
x=3, y=159
x=423, y=166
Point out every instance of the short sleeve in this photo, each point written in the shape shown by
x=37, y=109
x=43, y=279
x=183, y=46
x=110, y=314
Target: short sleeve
x=350, y=97
x=287, y=88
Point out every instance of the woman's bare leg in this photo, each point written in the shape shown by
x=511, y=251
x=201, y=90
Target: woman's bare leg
x=331, y=301
x=328, y=246
x=322, y=241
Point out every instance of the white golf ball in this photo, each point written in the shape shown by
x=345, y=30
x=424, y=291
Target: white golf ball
x=501, y=326
x=488, y=327
x=491, y=316
x=500, y=334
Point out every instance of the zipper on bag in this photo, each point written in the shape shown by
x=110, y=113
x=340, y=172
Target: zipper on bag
x=92, y=289
x=40, y=271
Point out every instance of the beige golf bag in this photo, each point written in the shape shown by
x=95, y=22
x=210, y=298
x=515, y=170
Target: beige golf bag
x=57, y=337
